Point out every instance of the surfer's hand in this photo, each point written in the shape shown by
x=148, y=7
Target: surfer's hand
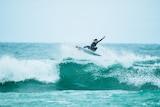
x=104, y=37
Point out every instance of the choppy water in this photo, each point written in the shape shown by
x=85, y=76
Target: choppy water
x=60, y=75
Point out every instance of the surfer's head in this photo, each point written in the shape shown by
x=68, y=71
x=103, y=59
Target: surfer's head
x=95, y=40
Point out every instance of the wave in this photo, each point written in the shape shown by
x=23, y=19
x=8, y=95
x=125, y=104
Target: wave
x=71, y=73
x=12, y=69
x=70, y=69
x=94, y=77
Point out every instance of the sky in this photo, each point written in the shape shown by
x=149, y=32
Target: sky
x=80, y=21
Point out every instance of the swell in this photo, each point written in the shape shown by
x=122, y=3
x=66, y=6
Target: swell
x=86, y=75
x=48, y=67
x=115, y=77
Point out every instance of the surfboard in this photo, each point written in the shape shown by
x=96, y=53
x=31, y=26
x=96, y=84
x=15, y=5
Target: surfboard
x=87, y=51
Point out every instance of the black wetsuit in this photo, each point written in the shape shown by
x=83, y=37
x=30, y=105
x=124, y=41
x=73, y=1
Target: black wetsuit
x=93, y=46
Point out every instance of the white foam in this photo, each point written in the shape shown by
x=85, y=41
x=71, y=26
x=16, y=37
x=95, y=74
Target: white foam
x=137, y=76
x=140, y=74
x=12, y=69
x=108, y=57
x=139, y=79
x=70, y=50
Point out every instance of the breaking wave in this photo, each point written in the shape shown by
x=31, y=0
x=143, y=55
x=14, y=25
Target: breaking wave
x=79, y=71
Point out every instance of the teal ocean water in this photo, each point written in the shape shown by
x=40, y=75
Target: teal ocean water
x=58, y=75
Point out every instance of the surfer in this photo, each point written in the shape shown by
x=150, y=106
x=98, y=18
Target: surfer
x=93, y=45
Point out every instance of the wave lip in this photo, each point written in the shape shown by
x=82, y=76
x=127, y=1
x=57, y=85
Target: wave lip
x=73, y=74
x=12, y=69
x=90, y=76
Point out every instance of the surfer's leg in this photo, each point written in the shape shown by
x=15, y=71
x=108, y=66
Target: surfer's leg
x=87, y=47
x=94, y=49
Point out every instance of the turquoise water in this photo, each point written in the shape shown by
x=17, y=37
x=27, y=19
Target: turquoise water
x=106, y=98
x=40, y=74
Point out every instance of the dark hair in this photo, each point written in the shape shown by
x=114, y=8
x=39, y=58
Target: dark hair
x=95, y=39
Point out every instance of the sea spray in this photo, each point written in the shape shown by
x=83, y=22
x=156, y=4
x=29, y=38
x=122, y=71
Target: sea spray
x=73, y=69
x=44, y=74
x=12, y=69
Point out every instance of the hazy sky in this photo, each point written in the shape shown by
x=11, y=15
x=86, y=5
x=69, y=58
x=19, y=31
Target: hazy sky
x=121, y=21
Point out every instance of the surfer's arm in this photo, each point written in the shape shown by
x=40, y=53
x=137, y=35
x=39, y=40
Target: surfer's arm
x=101, y=39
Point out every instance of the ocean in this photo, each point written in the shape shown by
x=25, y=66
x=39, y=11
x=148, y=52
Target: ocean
x=59, y=75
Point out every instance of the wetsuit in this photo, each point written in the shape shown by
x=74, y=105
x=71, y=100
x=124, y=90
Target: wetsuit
x=93, y=45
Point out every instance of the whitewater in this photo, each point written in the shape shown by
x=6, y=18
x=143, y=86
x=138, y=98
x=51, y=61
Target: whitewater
x=50, y=74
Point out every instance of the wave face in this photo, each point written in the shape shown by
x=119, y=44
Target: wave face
x=47, y=67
